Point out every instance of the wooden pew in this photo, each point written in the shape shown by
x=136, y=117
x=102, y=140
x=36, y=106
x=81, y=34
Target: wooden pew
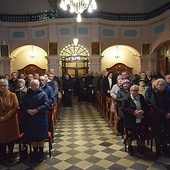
x=109, y=112
x=115, y=119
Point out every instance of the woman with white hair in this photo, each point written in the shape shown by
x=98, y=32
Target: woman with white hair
x=116, y=87
x=35, y=105
x=9, y=129
x=160, y=101
x=135, y=111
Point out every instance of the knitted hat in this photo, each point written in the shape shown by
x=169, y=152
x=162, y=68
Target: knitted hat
x=22, y=81
x=142, y=80
x=125, y=81
x=119, y=77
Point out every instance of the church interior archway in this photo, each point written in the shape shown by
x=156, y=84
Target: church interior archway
x=74, y=59
x=28, y=54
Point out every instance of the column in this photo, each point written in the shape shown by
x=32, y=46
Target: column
x=5, y=66
x=95, y=63
x=53, y=62
x=148, y=63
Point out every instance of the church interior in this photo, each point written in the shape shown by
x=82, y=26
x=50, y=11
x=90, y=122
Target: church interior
x=131, y=35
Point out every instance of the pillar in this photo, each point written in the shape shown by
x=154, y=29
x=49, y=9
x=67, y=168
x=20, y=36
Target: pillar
x=148, y=63
x=53, y=62
x=95, y=63
x=5, y=66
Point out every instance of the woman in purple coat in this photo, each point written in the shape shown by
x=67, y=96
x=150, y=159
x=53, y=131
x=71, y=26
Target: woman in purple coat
x=35, y=105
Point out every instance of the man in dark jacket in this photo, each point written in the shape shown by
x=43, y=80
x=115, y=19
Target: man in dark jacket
x=13, y=82
x=48, y=89
x=68, y=85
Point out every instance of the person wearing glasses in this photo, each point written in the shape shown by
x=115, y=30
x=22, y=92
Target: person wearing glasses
x=9, y=128
x=35, y=105
x=135, y=110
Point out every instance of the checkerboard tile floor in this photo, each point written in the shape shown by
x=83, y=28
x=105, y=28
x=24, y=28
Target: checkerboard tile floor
x=84, y=141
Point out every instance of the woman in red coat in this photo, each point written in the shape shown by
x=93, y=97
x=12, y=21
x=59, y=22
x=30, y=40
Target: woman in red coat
x=9, y=129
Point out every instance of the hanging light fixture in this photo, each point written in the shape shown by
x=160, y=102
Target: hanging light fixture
x=117, y=52
x=32, y=55
x=78, y=6
x=75, y=39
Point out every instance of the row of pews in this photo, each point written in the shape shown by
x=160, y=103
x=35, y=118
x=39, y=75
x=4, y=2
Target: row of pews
x=109, y=112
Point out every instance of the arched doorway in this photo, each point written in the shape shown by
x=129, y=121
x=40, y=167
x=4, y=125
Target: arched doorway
x=74, y=59
x=121, y=54
x=163, y=57
x=28, y=54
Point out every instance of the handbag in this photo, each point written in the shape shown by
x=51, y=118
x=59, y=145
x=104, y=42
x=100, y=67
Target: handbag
x=59, y=95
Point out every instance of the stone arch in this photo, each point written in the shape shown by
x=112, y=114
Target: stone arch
x=28, y=54
x=121, y=54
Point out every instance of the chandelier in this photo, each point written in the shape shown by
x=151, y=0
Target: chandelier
x=78, y=6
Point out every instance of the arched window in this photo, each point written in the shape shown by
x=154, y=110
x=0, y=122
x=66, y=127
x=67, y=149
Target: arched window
x=72, y=51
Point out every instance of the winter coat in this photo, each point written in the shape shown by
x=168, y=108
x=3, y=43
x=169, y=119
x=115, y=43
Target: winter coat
x=128, y=107
x=9, y=129
x=50, y=93
x=20, y=94
x=68, y=84
x=161, y=106
x=35, y=126
x=121, y=95
x=106, y=87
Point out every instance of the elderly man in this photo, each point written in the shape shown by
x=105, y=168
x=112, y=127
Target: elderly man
x=52, y=83
x=28, y=80
x=167, y=79
x=48, y=89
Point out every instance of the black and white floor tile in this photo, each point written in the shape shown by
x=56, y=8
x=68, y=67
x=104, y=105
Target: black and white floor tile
x=84, y=141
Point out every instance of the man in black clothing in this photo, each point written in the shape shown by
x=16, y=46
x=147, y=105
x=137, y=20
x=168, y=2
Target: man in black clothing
x=13, y=82
x=68, y=85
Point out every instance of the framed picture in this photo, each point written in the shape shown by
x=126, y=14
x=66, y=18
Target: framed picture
x=52, y=48
x=4, y=51
x=95, y=48
x=145, y=49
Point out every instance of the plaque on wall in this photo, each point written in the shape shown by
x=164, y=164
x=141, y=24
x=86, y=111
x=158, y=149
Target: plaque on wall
x=95, y=48
x=145, y=49
x=4, y=51
x=52, y=48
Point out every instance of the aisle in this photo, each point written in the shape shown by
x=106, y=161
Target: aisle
x=84, y=141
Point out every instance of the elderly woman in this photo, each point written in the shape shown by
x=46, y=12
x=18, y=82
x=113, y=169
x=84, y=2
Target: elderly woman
x=122, y=93
x=9, y=130
x=135, y=110
x=34, y=105
x=116, y=87
x=160, y=101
